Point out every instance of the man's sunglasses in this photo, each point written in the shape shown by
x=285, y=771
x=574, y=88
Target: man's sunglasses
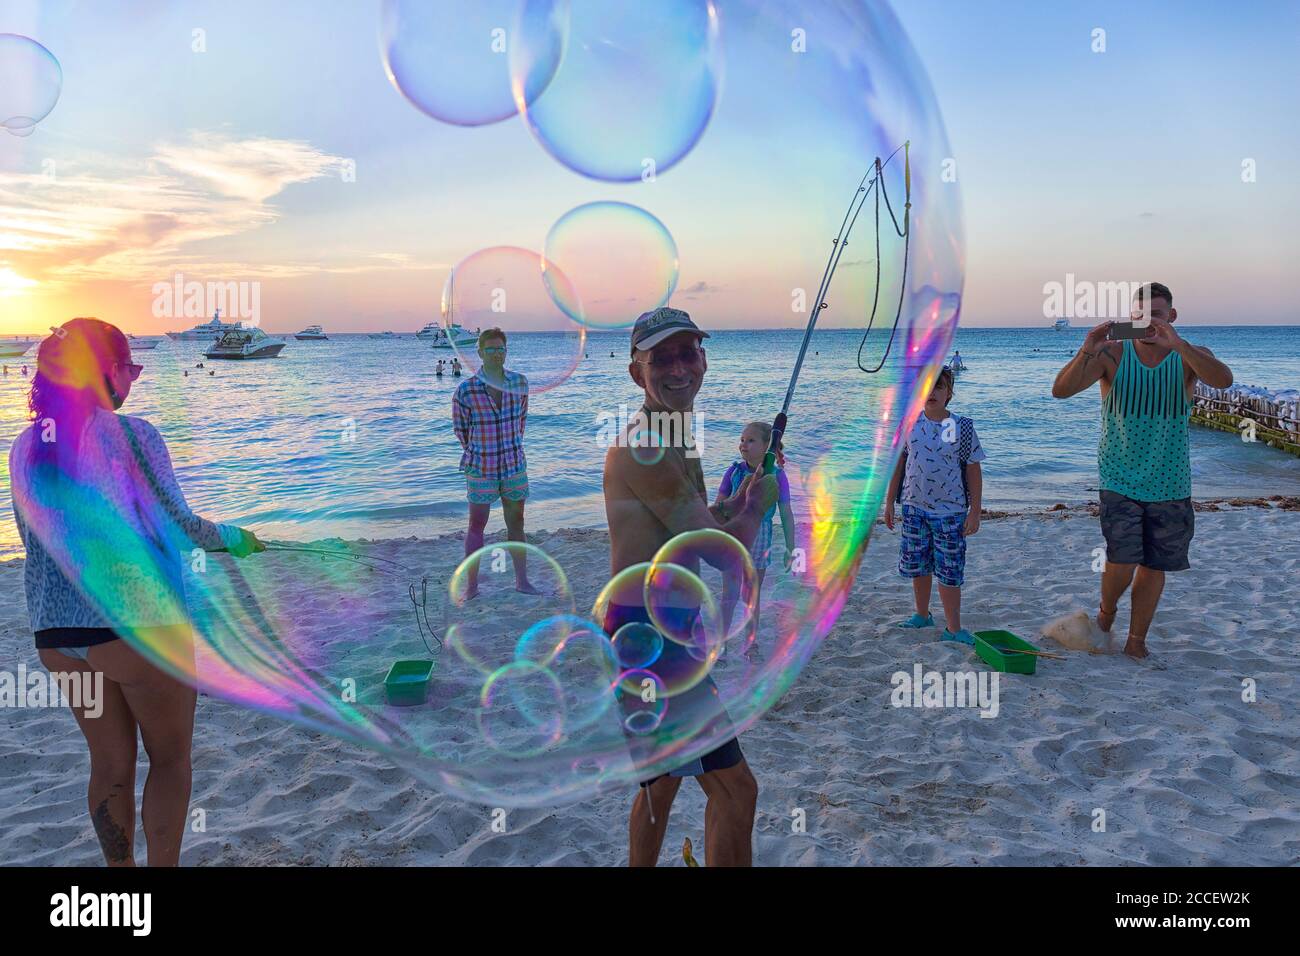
x=691, y=356
x=132, y=369
x=495, y=349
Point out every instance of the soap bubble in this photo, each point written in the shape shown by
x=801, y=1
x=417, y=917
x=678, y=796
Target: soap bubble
x=643, y=699
x=30, y=82
x=518, y=711
x=449, y=57
x=635, y=87
x=583, y=661
x=615, y=261
x=502, y=287
x=725, y=570
x=487, y=614
x=521, y=709
x=637, y=644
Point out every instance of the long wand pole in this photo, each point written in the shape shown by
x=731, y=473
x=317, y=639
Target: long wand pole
x=840, y=241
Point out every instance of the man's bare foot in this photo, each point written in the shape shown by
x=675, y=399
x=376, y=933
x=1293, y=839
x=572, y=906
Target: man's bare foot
x=526, y=587
x=471, y=593
x=1136, y=647
x=1105, y=618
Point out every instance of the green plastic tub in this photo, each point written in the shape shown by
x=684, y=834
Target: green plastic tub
x=993, y=646
x=407, y=683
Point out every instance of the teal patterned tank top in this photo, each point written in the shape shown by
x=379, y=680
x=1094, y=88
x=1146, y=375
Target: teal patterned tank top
x=1144, y=453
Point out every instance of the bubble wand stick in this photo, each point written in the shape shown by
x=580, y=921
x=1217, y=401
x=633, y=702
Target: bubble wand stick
x=838, y=243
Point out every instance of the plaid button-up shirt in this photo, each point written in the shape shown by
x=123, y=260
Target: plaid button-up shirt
x=493, y=438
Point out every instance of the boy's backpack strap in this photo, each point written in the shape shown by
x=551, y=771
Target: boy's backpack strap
x=965, y=448
x=902, y=476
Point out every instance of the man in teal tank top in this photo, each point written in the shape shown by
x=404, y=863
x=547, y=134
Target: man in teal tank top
x=1143, y=462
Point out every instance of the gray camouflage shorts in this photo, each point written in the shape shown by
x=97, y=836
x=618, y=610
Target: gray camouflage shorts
x=1154, y=534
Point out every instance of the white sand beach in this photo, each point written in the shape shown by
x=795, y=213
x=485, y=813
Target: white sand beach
x=1188, y=774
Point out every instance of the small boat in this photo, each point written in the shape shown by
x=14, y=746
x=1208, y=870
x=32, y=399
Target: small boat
x=383, y=335
x=429, y=331
x=453, y=336
x=244, y=344
x=13, y=348
x=1060, y=325
x=211, y=330
x=139, y=344
x=313, y=333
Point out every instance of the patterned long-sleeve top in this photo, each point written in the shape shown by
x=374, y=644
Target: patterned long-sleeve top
x=105, y=545
x=492, y=437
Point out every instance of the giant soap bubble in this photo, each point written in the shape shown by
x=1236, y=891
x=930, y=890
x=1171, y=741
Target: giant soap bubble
x=449, y=57
x=615, y=261
x=601, y=679
x=514, y=290
x=30, y=82
x=634, y=90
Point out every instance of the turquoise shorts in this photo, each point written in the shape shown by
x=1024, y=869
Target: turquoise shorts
x=482, y=490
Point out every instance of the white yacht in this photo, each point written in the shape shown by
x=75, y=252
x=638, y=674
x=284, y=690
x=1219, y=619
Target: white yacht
x=383, y=335
x=139, y=344
x=13, y=348
x=429, y=331
x=453, y=336
x=245, y=344
x=1061, y=325
x=313, y=333
x=211, y=330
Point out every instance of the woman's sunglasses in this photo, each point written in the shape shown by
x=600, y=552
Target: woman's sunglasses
x=132, y=370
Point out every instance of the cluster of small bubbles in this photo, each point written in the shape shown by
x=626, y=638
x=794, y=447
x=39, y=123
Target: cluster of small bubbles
x=613, y=260
x=503, y=287
x=31, y=80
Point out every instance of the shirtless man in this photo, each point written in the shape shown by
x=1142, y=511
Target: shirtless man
x=1143, y=461
x=646, y=505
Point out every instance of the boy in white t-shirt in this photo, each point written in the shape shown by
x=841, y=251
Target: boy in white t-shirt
x=941, y=492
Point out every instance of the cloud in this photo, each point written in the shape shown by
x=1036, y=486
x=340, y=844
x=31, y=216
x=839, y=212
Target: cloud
x=98, y=217
x=253, y=170
x=698, y=291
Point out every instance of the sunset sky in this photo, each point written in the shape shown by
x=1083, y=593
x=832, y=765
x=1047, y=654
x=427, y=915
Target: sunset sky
x=233, y=164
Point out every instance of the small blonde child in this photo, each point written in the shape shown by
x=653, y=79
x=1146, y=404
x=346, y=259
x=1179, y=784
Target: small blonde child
x=753, y=444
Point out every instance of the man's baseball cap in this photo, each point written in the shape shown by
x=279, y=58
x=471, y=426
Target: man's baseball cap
x=653, y=327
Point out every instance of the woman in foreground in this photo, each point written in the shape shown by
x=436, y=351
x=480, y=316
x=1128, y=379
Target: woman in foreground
x=106, y=528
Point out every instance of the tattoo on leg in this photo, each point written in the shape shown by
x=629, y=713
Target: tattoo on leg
x=112, y=838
